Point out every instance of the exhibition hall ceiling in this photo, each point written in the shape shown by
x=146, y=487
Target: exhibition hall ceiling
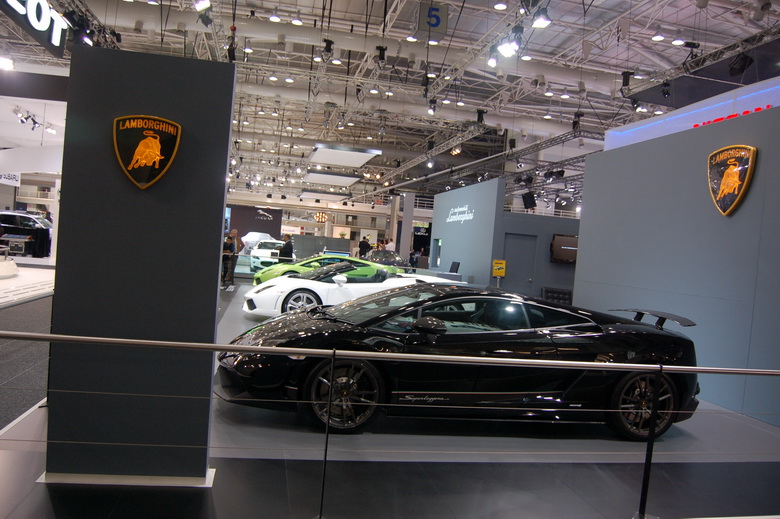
x=346, y=73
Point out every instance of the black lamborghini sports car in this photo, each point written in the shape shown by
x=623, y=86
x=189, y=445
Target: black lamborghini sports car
x=464, y=321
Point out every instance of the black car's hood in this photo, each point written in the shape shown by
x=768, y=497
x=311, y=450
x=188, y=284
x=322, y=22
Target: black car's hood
x=299, y=328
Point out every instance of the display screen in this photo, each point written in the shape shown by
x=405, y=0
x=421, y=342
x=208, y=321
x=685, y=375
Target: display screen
x=563, y=248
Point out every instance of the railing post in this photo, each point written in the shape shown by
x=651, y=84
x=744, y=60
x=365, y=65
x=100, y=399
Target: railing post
x=657, y=383
x=327, y=435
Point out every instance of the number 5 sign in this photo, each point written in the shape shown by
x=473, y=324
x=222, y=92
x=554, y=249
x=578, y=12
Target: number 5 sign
x=432, y=21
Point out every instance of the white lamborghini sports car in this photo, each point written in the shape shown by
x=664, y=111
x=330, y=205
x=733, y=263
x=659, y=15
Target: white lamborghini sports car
x=326, y=286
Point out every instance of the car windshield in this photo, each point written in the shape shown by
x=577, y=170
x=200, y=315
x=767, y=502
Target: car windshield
x=327, y=272
x=374, y=306
x=383, y=255
x=46, y=224
x=269, y=245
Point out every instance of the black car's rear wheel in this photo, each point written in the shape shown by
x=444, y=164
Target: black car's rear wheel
x=357, y=391
x=631, y=404
x=300, y=299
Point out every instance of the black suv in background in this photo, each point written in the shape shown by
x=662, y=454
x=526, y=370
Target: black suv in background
x=37, y=228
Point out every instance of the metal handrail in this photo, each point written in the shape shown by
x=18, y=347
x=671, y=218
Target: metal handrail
x=402, y=357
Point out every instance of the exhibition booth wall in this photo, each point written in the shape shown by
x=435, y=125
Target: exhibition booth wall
x=471, y=227
x=653, y=238
x=121, y=272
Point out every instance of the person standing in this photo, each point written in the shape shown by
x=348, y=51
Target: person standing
x=390, y=245
x=363, y=247
x=228, y=249
x=286, y=252
x=238, y=246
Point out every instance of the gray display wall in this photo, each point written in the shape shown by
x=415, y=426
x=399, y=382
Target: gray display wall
x=526, y=242
x=465, y=223
x=473, y=228
x=651, y=237
x=137, y=264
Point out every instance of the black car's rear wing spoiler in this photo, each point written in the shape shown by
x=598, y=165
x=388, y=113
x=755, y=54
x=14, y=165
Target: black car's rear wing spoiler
x=662, y=317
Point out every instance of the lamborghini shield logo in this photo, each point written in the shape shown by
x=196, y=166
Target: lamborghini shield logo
x=730, y=171
x=145, y=147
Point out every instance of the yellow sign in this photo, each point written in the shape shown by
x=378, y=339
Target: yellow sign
x=499, y=268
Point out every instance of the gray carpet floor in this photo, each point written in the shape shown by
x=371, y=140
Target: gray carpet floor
x=24, y=365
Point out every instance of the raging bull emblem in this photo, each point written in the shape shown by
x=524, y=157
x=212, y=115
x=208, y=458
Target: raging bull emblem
x=145, y=147
x=147, y=152
x=730, y=170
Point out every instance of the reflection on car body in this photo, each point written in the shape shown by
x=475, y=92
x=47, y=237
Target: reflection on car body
x=457, y=320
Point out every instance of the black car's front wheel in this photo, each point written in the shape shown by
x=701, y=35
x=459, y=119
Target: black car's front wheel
x=631, y=406
x=355, y=389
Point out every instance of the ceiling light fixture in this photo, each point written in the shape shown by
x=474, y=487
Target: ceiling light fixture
x=657, y=34
x=297, y=19
x=6, y=63
x=432, y=106
x=678, y=40
x=541, y=19
x=202, y=5
x=500, y=6
x=492, y=57
x=275, y=16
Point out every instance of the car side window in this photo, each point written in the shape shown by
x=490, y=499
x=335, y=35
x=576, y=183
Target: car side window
x=27, y=223
x=9, y=219
x=401, y=323
x=544, y=317
x=481, y=315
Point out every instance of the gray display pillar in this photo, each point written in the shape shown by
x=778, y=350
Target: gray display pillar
x=138, y=257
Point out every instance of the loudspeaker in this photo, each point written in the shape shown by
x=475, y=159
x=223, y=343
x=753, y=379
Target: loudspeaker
x=512, y=144
x=529, y=200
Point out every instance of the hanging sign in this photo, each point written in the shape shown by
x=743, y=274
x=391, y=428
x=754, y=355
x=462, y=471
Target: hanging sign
x=145, y=147
x=11, y=179
x=432, y=22
x=40, y=21
x=730, y=170
x=499, y=268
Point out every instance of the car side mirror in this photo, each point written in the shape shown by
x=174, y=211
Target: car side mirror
x=339, y=279
x=430, y=328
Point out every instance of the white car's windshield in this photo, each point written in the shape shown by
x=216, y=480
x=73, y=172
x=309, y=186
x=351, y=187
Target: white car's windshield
x=377, y=305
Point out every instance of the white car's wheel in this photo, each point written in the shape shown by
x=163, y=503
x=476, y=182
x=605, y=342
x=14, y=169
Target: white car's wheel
x=300, y=299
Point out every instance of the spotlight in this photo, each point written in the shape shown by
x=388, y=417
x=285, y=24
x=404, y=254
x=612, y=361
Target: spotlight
x=380, y=58
x=541, y=19
x=6, y=63
x=492, y=57
x=740, y=64
x=432, y=106
x=429, y=163
x=327, y=52
x=205, y=17
x=202, y=5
